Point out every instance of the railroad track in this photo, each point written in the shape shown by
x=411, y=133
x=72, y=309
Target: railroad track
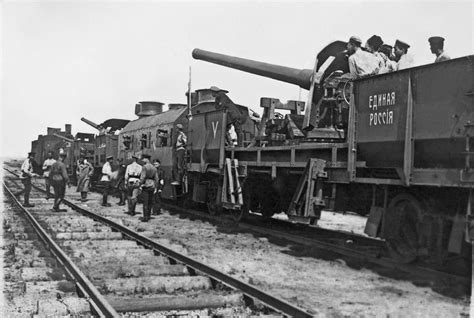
x=347, y=245
x=120, y=270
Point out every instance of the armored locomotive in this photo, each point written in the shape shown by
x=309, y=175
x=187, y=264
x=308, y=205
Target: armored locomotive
x=105, y=143
x=397, y=145
x=56, y=140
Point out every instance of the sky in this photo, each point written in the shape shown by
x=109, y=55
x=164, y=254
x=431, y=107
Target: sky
x=63, y=60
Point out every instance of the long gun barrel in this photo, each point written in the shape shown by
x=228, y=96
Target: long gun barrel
x=64, y=138
x=300, y=77
x=87, y=121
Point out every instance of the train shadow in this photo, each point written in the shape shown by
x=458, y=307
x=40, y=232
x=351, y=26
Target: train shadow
x=441, y=285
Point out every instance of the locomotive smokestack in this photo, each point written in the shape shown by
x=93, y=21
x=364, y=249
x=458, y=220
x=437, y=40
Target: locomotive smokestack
x=300, y=77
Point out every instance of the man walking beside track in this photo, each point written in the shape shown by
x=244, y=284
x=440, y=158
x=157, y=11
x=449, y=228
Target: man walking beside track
x=84, y=173
x=46, y=170
x=59, y=178
x=149, y=182
x=26, y=175
x=132, y=184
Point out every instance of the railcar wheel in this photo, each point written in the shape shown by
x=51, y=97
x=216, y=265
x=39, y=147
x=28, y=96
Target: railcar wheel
x=212, y=192
x=402, y=225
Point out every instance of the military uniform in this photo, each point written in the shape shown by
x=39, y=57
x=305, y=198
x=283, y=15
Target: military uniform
x=27, y=172
x=180, y=162
x=58, y=178
x=106, y=181
x=132, y=183
x=149, y=181
x=46, y=169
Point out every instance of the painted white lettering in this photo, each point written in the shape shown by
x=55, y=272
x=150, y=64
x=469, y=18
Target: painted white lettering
x=215, y=124
x=390, y=117
x=393, y=98
x=370, y=101
x=371, y=119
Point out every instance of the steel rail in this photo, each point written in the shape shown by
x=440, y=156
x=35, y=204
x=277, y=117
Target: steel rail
x=268, y=300
x=96, y=299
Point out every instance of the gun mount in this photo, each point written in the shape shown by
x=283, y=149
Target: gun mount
x=324, y=107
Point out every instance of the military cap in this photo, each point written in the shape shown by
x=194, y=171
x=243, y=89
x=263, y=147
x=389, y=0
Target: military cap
x=435, y=40
x=179, y=126
x=401, y=44
x=217, y=89
x=31, y=153
x=386, y=49
x=109, y=157
x=135, y=157
x=375, y=41
x=62, y=154
x=145, y=156
x=355, y=39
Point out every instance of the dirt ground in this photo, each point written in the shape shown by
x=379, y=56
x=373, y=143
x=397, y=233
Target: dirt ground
x=326, y=287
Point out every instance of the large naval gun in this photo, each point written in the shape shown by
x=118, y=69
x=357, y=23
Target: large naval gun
x=325, y=116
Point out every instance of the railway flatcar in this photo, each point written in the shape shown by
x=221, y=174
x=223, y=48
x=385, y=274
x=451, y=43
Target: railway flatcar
x=397, y=145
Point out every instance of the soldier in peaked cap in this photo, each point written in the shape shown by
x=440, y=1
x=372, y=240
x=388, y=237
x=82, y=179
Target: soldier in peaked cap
x=437, y=48
x=385, y=52
x=27, y=172
x=404, y=60
x=106, y=180
x=149, y=181
x=132, y=183
x=361, y=63
x=180, y=151
x=59, y=178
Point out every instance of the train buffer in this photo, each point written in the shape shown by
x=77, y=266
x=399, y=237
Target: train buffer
x=308, y=201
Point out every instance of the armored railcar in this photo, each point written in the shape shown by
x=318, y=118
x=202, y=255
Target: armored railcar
x=397, y=145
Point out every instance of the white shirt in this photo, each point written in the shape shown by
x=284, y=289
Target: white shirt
x=363, y=64
x=388, y=65
x=27, y=167
x=442, y=57
x=106, y=172
x=133, y=171
x=406, y=61
x=47, y=166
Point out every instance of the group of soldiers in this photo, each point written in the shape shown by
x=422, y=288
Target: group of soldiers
x=130, y=180
x=378, y=58
x=133, y=180
x=55, y=174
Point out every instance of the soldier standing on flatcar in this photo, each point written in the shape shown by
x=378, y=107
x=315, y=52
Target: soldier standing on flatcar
x=159, y=187
x=388, y=65
x=437, y=48
x=132, y=183
x=180, y=164
x=59, y=178
x=404, y=60
x=26, y=175
x=361, y=63
x=106, y=179
x=46, y=169
x=149, y=181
